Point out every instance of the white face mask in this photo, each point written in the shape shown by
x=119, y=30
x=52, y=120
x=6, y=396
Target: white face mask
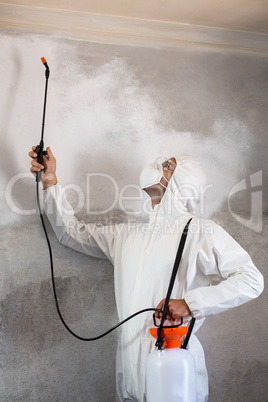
x=152, y=174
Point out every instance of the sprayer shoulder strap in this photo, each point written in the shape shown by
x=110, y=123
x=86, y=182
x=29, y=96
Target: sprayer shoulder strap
x=160, y=341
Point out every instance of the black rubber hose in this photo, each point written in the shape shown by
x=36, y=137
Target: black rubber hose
x=55, y=292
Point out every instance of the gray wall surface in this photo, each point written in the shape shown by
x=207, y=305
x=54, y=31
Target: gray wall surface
x=111, y=110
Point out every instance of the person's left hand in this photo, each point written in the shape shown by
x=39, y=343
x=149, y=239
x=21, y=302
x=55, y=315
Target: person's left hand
x=177, y=308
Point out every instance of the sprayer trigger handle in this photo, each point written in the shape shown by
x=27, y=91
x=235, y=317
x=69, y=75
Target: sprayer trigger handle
x=37, y=149
x=40, y=153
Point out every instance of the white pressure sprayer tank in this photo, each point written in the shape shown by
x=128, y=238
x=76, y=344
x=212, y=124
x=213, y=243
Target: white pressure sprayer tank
x=170, y=372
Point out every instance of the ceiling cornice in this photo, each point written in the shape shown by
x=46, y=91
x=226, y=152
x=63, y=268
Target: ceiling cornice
x=103, y=28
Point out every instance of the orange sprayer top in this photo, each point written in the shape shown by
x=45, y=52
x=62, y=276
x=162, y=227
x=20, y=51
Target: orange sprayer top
x=172, y=336
x=43, y=60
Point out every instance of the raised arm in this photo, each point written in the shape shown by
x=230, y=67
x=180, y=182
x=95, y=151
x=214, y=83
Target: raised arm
x=96, y=241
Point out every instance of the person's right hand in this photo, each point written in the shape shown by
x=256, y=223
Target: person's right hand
x=48, y=176
x=177, y=309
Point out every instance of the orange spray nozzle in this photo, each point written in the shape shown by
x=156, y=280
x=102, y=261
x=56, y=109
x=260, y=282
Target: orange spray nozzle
x=46, y=66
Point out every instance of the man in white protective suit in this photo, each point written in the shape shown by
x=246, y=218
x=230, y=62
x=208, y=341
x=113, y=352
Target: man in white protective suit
x=215, y=273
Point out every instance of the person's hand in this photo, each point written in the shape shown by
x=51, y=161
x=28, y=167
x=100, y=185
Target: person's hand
x=177, y=308
x=48, y=176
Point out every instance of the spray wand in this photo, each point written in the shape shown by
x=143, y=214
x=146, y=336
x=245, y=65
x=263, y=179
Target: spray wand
x=40, y=148
x=40, y=153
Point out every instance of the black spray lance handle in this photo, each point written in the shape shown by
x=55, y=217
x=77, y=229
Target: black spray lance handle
x=39, y=150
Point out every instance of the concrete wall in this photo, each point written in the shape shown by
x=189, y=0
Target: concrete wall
x=111, y=109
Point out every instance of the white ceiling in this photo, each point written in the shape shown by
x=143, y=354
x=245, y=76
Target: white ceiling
x=244, y=15
x=239, y=25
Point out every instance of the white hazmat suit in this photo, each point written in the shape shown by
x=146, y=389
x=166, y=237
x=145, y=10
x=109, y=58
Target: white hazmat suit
x=215, y=273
